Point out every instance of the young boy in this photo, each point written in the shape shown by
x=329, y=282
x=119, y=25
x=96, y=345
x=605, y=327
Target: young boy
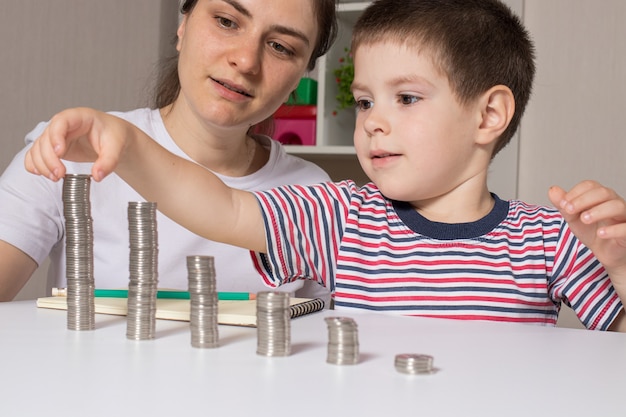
x=441, y=87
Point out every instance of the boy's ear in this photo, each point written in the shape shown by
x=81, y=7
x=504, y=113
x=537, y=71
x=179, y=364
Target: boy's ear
x=497, y=106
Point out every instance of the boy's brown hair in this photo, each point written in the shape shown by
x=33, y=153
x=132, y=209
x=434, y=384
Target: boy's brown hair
x=476, y=44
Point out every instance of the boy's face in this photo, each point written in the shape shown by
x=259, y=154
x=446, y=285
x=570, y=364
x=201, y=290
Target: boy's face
x=412, y=137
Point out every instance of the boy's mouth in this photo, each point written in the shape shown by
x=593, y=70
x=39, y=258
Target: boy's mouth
x=381, y=155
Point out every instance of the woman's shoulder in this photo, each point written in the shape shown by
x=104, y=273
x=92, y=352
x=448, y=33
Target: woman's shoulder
x=287, y=168
x=143, y=117
x=150, y=122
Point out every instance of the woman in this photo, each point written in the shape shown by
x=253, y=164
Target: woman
x=238, y=61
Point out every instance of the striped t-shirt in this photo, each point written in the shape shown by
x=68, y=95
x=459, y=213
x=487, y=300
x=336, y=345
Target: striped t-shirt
x=517, y=264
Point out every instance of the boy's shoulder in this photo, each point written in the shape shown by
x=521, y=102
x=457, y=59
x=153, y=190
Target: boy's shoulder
x=522, y=209
x=523, y=205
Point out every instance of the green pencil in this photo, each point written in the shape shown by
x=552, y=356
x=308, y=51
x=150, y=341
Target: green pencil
x=170, y=294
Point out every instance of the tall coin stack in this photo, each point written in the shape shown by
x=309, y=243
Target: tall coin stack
x=143, y=279
x=203, y=302
x=273, y=322
x=343, y=341
x=79, y=252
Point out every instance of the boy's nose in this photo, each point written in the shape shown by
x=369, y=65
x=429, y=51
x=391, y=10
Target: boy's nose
x=375, y=122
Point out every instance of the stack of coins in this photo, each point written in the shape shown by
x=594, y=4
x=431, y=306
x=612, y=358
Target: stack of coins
x=273, y=321
x=411, y=363
x=203, y=302
x=143, y=279
x=79, y=252
x=343, y=341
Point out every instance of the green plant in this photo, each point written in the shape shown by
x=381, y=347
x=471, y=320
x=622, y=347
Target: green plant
x=344, y=74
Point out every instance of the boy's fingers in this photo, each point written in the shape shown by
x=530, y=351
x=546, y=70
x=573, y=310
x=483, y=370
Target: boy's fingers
x=570, y=213
x=589, y=203
x=51, y=157
x=587, y=195
x=37, y=163
x=608, y=212
x=558, y=197
x=109, y=152
x=580, y=189
x=100, y=169
x=616, y=231
x=80, y=135
x=29, y=165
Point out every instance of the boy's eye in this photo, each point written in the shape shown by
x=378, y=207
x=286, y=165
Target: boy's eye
x=408, y=99
x=364, y=104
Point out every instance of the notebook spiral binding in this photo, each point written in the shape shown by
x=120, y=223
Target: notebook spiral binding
x=306, y=307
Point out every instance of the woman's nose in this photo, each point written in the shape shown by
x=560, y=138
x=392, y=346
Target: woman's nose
x=246, y=56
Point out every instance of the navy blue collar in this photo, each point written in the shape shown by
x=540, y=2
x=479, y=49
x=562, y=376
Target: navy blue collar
x=449, y=231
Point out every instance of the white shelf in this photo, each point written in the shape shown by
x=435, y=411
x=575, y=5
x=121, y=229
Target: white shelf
x=334, y=132
x=352, y=6
x=321, y=150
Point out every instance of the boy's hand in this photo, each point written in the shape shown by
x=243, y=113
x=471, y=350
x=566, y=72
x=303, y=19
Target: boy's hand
x=597, y=216
x=80, y=135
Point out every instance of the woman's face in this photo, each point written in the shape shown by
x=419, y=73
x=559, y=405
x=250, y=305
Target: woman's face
x=240, y=59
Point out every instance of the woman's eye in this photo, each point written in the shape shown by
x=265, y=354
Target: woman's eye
x=364, y=104
x=225, y=22
x=408, y=99
x=280, y=48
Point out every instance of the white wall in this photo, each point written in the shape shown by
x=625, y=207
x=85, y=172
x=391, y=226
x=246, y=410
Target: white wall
x=573, y=128
x=65, y=53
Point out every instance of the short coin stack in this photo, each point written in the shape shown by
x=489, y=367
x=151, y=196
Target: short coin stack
x=273, y=323
x=79, y=252
x=411, y=363
x=203, y=302
x=343, y=341
x=143, y=279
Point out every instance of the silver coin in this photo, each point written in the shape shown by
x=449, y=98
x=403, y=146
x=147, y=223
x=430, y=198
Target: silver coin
x=343, y=343
x=143, y=271
x=412, y=363
x=273, y=324
x=203, y=301
x=79, y=252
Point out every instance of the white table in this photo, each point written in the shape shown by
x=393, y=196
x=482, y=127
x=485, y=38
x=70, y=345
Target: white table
x=484, y=369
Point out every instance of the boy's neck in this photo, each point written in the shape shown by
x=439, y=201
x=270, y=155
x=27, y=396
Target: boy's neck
x=457, y=208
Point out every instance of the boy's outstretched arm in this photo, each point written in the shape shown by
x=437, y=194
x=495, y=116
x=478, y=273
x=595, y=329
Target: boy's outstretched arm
x=597, y=216
x=184, y=191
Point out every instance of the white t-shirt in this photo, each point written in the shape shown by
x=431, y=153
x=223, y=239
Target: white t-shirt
x=31, y=218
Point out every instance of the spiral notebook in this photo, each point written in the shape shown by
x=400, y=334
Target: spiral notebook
x=230, y=312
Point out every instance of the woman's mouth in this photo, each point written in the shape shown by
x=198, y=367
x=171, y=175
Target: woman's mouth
x=232, y=88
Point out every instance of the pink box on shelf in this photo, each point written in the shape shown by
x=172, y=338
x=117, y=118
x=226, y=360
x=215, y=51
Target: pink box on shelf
x=295, y=125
